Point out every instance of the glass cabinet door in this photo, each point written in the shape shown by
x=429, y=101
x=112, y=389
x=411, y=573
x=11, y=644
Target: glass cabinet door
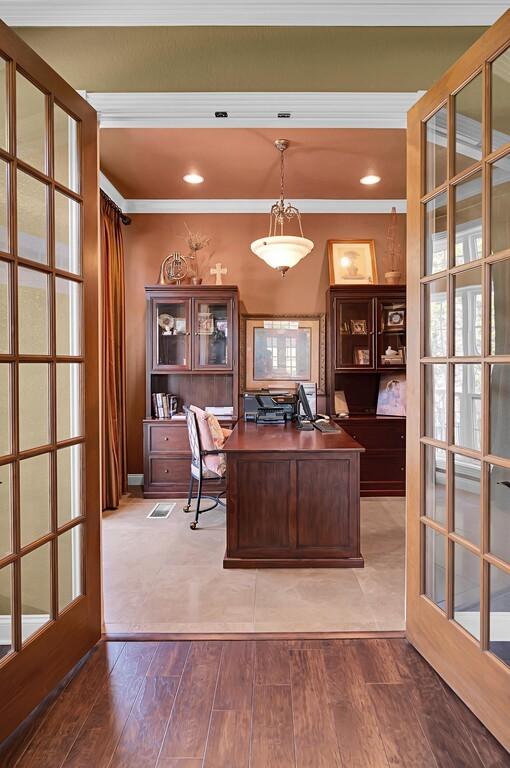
x=171, y=335
x=391, y=333
x=354, y=340
x=212, y=338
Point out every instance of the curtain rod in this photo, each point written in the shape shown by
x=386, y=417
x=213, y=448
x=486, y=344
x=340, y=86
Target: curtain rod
x=124, y=219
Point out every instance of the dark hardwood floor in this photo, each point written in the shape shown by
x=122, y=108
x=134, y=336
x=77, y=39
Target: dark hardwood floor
x=256, y=704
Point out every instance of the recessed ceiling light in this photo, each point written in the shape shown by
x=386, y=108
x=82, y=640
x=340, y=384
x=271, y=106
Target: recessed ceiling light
x=370, y=179
x=193, y=178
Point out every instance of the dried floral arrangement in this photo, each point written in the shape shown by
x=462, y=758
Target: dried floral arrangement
x=196, y=242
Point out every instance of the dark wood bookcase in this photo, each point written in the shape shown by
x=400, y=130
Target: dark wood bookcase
x=363, y=321
x=192, y=353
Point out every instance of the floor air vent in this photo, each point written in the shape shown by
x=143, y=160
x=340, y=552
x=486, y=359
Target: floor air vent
x=161, y=510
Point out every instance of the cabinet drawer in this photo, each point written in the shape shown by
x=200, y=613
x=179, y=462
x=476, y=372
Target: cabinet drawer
x=168, y=438
x=377, y=435
x=385, y=467
x=169, y=471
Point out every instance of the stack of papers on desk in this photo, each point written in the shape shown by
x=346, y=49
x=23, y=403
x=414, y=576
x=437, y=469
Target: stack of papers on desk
x=223, y=410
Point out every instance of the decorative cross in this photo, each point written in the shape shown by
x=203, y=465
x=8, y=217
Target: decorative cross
x=218, y=271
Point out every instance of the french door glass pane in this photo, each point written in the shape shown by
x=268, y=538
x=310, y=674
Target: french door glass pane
x=33, y=305
x=436, y=243
x=499, y=511
x=34, y=423
x=436, y=155
x=500, y=297
x=435, y=483
x=35, y=590
x=30, y=123
x=34, y=494
x=6, y=610
x=4, y=208
x=5, y=510
x=5, y=409
x=468, y=312
x=500, y=205
x=500, y=410
x=69, y=487
x=466, y=492
x=436, y=308
x=435, y=566
x=468, y=405
x=466, y=590
x=500, y=98
x=468, y=220
x=65, y=130
x=70, y=566
x=68, y=318
x=3, y=104
x=213, y=332
x=499, y=621
x=435, y=401
x=68, y=400
x=468, y=124
x=32, y=209
x=5, y=314
x=67, y=234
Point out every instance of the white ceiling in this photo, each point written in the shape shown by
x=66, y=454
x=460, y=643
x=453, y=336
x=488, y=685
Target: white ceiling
x=373, y=13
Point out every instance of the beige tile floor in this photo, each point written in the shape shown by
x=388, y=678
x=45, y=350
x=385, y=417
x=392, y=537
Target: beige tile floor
x=159, y=576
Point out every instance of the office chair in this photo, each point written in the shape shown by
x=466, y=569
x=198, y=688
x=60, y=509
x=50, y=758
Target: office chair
x=199, y=468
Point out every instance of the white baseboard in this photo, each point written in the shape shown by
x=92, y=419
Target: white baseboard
x=135, y=479
x=31, y=623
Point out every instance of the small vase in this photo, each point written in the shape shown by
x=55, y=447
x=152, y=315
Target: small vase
x=196, y=280
x=393, y=277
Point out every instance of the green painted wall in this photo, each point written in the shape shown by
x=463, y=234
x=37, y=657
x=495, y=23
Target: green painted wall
x=251, y=58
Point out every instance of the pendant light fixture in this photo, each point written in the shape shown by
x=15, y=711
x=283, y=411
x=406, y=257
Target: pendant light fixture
x=282, y=251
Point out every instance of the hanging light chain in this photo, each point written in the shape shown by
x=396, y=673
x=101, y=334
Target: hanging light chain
x=280, y=212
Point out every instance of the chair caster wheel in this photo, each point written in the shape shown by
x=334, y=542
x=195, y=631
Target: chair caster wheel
x=193, y=525
x=187, y=508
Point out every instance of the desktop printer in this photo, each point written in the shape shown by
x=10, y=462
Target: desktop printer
x=266, y=407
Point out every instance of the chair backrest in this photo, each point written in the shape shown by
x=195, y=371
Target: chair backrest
x=194, y=437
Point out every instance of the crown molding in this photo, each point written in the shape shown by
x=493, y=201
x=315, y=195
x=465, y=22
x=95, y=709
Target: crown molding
x=174, y=206
x=286, y=13
x=253, y=110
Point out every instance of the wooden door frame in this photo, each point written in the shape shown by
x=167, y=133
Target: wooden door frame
x=31, y=672
x=480, y=679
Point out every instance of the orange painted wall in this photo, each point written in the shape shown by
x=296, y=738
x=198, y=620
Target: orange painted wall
x=151, y=237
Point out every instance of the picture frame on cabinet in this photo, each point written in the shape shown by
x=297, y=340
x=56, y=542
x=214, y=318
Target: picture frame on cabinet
x=352, y=262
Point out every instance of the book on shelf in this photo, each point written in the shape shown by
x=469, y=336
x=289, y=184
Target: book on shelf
x=164, y=405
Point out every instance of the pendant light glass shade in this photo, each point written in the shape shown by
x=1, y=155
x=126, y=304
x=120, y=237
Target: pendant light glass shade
x=282, y=251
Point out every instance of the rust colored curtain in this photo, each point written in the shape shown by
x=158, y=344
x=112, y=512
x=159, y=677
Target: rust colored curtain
x=114, y=357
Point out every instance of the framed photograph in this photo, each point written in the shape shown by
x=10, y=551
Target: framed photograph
x=396, y=318
x=392, y=399
x=361, y=356
x=352, y=262
x=205, y=323
x=180, y=325
x=359, y=327
x=277, y=351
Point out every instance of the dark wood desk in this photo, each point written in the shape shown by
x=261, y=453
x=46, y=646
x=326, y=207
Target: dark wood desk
x=293, y=498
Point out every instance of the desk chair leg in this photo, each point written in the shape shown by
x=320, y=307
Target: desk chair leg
x=187, y=508
x=194, y=524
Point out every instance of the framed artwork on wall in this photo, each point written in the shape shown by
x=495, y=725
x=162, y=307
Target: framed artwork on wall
x=277, y=351
x=352, y=262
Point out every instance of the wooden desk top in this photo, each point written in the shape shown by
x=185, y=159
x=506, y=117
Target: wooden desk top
x=253, y=438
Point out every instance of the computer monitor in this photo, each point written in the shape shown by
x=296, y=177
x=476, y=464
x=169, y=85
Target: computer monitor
x=303, y=402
